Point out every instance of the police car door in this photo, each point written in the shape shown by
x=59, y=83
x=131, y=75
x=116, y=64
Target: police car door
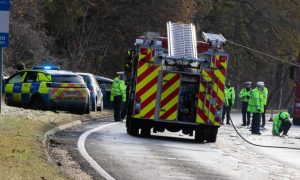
x=12, y=88
x=29, y=86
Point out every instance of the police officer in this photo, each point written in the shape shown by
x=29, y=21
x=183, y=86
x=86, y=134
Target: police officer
x=245, y=96
x=256, y=106
x=281, y=123
x=118, y=95
x=265, y=97
x=228, y=102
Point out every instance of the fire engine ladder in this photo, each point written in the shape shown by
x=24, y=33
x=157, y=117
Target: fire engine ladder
x=182, y=40
x=182, y=45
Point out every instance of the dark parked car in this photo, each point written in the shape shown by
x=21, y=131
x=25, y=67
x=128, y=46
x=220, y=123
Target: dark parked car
x=105, y=85
x=96, y=96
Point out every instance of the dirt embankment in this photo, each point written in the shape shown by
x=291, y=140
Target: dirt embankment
x=21, y=150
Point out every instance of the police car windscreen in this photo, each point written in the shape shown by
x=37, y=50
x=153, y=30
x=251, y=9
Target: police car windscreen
x=66, y=79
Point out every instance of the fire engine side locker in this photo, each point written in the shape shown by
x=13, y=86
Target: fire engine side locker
x=168, y=96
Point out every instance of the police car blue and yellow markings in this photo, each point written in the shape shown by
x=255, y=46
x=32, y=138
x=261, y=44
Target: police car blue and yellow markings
x=23, y=91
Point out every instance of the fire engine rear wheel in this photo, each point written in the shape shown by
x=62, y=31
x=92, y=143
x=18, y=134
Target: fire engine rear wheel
x=132, y=128
x=199, y=135
x=145, y=131
x=212, y=135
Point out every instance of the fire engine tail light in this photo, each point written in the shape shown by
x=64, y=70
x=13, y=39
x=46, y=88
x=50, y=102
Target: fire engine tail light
x=137, y=106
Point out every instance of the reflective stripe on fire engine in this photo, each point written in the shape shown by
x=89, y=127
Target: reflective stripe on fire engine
x=146, y=83
x=169, y=96
x=213, y=97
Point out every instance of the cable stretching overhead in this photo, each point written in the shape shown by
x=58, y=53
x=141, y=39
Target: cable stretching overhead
x=265, y=54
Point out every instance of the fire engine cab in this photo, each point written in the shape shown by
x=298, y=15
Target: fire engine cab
x=176, y=83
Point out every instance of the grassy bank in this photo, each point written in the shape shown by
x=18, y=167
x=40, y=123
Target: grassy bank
x=21, y=150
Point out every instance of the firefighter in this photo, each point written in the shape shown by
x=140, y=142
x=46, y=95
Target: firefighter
x=118, y=95
x=256, y=106
x=265, y=97
x=228, y=102
x=245, y=96
x=281, y=123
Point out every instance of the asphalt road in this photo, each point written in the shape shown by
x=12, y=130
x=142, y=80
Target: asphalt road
x=174, y=156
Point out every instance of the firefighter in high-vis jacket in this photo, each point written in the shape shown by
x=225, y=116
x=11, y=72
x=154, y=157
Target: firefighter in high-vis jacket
x=256, y=106
x=245, y=96
x=228, y=102
x=118, y=95
x=281, y=123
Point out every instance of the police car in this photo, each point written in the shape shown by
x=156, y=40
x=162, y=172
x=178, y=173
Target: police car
x=46, y=87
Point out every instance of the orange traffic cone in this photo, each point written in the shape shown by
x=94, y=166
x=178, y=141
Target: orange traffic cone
x=271, y=117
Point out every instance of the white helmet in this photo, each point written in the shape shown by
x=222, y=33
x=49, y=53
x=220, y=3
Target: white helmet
x=260, y=84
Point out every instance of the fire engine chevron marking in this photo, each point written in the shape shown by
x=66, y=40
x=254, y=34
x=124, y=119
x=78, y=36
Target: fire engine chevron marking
x=167, y=114
x=141, y=63
x=204, y=109
x=149, y=99
x=146, y=73
x=148, y=80
x=150, y=114
x=169, y=97
x=170, y=82
x=146, y=87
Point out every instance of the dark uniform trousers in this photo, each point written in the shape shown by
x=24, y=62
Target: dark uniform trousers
x=255, y=126
x=285, y=127
x=117, y=107
x=226, y=109
x=245, y=113
x=263, y=117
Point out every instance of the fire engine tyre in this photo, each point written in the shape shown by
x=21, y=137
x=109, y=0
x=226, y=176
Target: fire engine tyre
x=145, y=132
x=132, y=129
x=199, y=136
x=212, y=135
x=37, y=103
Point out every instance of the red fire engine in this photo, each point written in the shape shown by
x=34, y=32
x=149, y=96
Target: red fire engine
x=295, y=75
x=176, y=83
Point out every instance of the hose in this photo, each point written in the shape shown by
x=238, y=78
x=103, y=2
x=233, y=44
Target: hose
x=279, y=147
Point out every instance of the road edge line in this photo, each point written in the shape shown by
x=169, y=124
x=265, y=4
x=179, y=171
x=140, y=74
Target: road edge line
x=51, y=132
x=87, y=157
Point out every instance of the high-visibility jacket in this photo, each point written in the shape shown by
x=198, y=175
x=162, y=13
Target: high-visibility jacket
x=118, y=89
x=265, y=95
x=277, y=122
x=229, y=96
x=245, y=94
x=256, y=104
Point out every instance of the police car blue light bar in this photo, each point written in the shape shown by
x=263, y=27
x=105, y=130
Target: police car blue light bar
x=46, y=67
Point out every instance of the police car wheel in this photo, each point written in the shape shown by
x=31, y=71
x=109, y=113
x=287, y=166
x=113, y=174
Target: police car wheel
x=100, y=108
x=38, y=103
x=94, y=105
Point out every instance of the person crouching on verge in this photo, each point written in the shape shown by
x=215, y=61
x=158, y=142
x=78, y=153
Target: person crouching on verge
x=281, y=123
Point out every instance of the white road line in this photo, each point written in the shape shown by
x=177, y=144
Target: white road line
x=85, y=155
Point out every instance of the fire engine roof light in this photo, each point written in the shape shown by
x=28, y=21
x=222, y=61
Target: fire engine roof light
x=214, y=39
x=139, y=41
x=46, y=67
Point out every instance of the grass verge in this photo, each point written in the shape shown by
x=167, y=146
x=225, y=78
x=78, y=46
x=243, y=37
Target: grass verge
x=21, y=149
